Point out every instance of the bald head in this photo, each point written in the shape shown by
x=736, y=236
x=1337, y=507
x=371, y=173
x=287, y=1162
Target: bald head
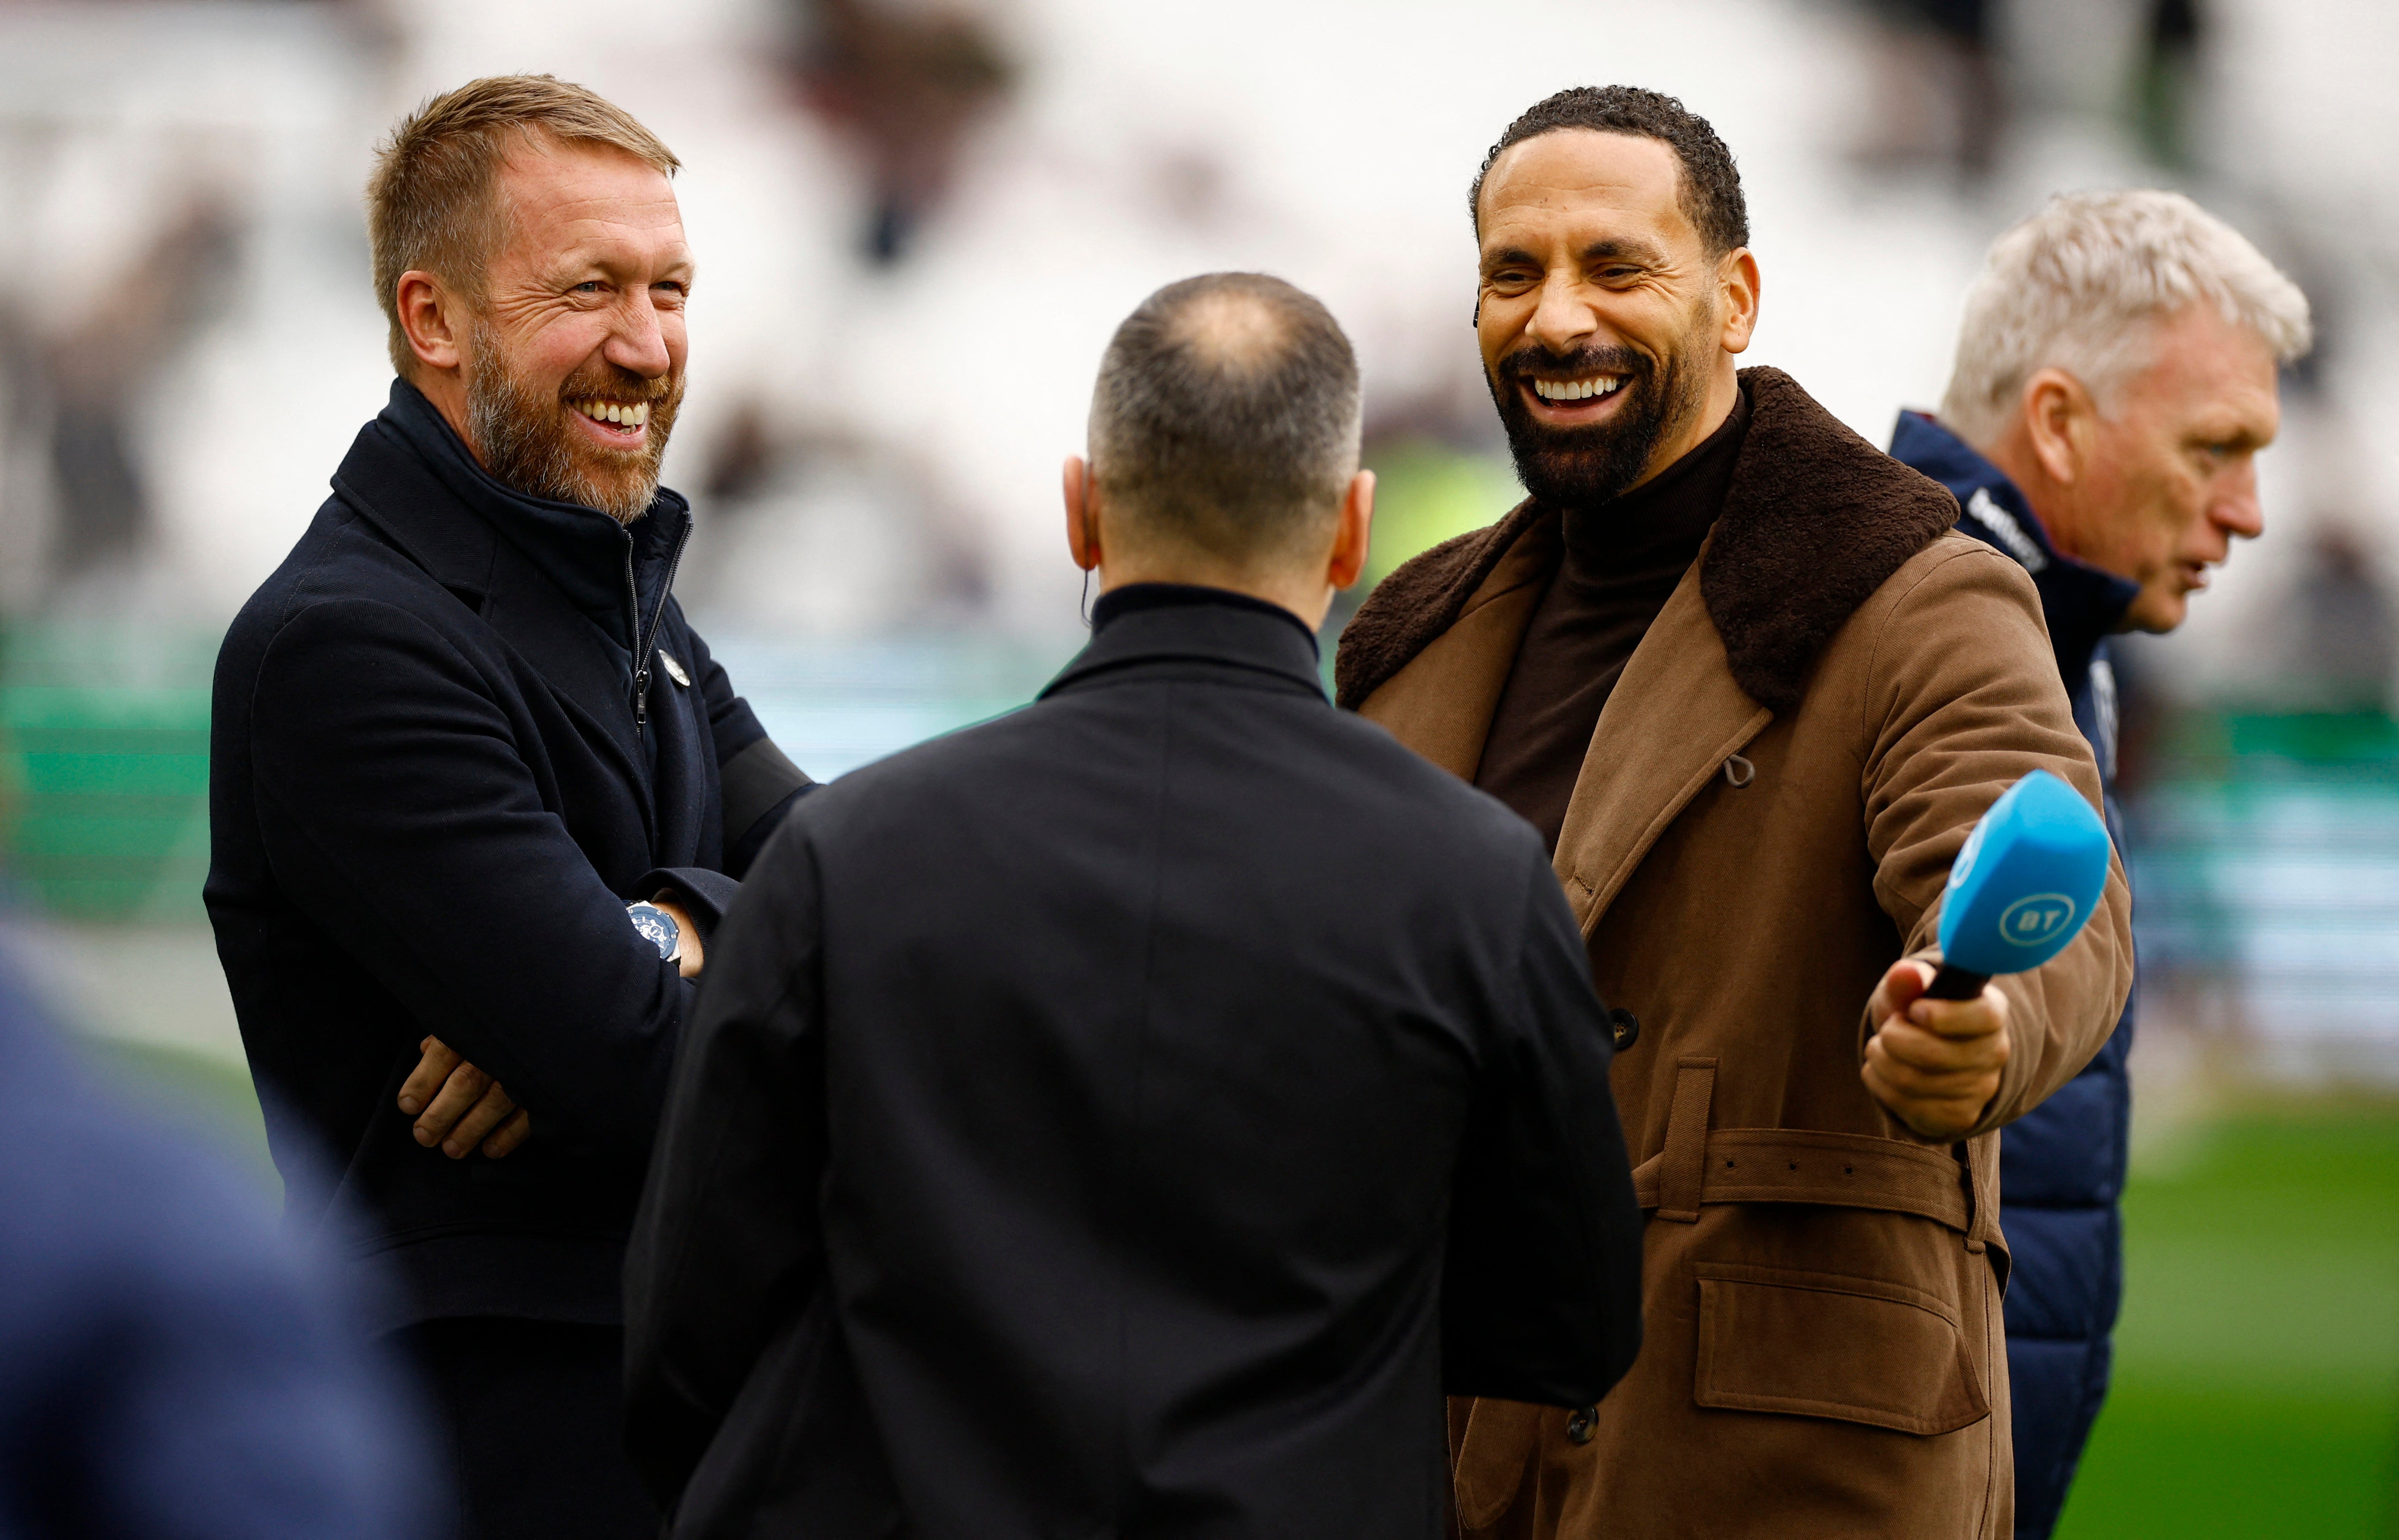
x=1234, y=330
x=1225, y=422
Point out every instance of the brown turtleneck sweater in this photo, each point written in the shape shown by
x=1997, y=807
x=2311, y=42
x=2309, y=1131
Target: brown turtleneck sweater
x=1623, y=561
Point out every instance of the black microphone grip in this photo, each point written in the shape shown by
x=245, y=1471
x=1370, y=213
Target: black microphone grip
x=1956, y=983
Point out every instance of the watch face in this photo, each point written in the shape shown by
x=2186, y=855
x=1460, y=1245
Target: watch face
x=657, y=926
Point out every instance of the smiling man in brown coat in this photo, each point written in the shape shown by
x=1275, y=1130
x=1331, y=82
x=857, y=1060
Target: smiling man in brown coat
x=1732, y=662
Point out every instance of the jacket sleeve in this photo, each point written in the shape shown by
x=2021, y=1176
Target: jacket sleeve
x=400, y=817
x=1964, y=700
x=726, y=1251
x=1541, y=1297
x=760, y=782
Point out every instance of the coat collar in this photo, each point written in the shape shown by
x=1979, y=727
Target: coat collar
x=1454, y=678
x=393, y=486
x=1814, y=521
x=2081, y=604
x=584, y=553
x=1149, y=623
x=409, y=476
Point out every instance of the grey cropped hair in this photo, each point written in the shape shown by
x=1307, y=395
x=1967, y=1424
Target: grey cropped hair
x=2079, y=286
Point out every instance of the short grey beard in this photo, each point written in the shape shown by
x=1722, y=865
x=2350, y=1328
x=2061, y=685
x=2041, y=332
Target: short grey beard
x=523, y=441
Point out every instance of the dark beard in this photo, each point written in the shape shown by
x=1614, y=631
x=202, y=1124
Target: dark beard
x=526, y=440
x=1582, y=467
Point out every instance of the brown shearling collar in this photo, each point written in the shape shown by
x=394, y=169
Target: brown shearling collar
x=1815, y=519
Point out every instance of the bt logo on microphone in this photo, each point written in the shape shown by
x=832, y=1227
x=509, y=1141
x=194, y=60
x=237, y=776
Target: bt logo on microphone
x=2035, y=918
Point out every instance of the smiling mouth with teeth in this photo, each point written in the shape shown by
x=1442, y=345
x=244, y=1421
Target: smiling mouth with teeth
x=1576, y=390
x=621, y=415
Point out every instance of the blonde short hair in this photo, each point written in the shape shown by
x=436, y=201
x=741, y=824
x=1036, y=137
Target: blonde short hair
x=2079, y=286
x=431, y=203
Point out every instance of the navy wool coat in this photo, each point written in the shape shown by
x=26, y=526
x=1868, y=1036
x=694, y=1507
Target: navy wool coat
x=453, y=734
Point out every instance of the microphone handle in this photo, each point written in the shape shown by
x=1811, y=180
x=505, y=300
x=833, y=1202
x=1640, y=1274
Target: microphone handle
x=1956, y=983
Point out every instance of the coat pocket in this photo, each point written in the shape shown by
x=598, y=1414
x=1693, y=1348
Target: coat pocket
x=1822, y=1344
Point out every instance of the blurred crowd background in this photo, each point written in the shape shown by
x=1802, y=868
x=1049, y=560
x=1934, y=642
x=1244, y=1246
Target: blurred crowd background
x=918, y=221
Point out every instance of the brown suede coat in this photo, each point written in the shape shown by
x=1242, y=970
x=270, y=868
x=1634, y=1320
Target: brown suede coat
x=1763, y=823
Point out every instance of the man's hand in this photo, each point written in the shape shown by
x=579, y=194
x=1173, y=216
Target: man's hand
x=461, y=1106
x=688, y=960
x=1934, y=1063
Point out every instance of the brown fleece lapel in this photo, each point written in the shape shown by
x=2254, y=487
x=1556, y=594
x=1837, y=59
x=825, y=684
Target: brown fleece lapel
x=1420, y=601
x=1814, y=521
x=1454, y=681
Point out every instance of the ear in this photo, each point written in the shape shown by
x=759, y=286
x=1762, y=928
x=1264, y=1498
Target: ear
x=1083, y=514
x=2060, y=422
x=1737, y=290
x=430, y=319
x=1354, y=533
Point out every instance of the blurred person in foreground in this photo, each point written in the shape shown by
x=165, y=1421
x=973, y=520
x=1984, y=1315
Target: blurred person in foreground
x=174, y=1364
x=1735, y=665
x=478, y=792
x=2115, y=381
x=1125, y=1117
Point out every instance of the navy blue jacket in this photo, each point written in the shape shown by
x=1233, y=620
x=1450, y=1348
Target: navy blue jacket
x=453, y=734
x=173, y=1364
x=1125, y=1118
x=2062, y=1165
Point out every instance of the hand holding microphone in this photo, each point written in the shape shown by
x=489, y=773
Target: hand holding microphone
x=2020, y=891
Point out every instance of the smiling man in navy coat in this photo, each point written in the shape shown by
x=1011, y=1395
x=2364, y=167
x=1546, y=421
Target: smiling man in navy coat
x=1127, y=1117
x=478, y=792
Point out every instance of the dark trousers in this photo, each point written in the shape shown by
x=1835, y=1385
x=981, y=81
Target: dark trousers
x=533, y=1414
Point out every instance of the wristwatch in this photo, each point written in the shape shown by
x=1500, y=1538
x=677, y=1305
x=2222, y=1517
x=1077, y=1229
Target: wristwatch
x=658, y=928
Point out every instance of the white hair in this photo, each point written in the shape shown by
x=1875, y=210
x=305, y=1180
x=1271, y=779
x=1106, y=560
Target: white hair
x=2081, y=286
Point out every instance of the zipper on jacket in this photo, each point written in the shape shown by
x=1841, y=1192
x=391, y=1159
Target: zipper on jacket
x=646, y=640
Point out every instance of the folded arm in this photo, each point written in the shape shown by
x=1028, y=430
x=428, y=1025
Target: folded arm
x=464, y=1110
x=402, y=815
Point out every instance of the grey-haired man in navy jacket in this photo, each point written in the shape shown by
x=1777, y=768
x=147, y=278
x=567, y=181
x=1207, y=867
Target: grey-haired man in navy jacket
x=2115, y=381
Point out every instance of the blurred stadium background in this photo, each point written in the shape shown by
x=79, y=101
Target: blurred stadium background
x=917, y=222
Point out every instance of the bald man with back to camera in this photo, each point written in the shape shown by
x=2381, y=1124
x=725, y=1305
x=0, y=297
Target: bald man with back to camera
x=1128, y=1116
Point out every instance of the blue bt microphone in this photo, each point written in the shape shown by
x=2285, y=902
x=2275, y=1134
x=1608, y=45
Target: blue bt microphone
x=2031, y=874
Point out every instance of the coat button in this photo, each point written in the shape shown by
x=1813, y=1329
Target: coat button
x=1584, y=1423
x=1624, y=1027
